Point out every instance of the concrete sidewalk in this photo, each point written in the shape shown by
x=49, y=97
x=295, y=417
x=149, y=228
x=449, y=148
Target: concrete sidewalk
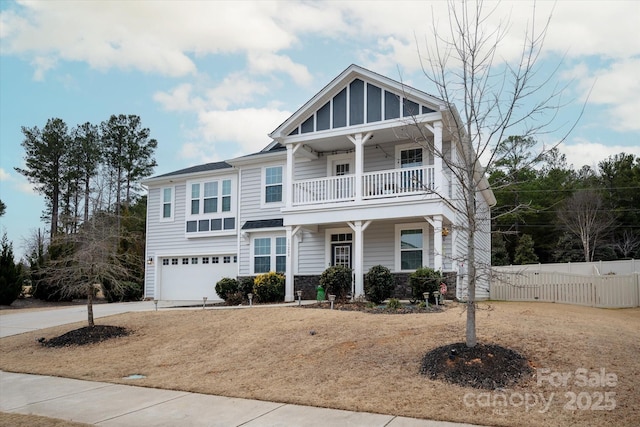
x=106, y=404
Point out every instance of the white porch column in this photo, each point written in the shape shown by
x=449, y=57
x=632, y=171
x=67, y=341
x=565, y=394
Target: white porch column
x=436, y=223
x=358, y=228
x=359, y=140
x=290, y=273
x=289, y=175
x=437, y=160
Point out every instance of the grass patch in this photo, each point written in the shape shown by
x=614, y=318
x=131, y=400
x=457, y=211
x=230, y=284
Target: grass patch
x=354, y=361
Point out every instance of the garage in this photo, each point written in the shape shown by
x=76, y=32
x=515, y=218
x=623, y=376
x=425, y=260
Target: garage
x=189, y=278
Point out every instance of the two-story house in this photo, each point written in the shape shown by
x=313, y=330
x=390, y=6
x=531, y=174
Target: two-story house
x=343, y=182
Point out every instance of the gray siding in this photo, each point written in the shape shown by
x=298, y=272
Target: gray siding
x=311, y=259
x=379, y=245
x=165, y=238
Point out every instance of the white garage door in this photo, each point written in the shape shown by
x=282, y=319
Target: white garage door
x=189, y=278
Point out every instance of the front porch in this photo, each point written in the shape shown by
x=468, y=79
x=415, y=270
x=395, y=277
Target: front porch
x=400, y=244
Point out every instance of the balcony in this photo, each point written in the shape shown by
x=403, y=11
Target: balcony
x=386, y=184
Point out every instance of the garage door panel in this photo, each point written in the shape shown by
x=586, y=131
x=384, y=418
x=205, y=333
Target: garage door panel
x=190, y=281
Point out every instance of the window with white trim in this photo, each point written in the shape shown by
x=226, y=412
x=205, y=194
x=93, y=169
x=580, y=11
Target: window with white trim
x=210, y=208
x=269, y=254
x=412, y=158
x=411, y=246
x=410, y=249
x=166, y=213
x=273, y=183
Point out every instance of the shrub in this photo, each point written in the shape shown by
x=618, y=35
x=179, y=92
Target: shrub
x=234, y=298
x=43, y=290
x=125, y=291
x=423, y=280
x=394, y=304
x=378, y=284
x=336, y=280
x=246, y=286
x=10, y=274
x=226, y=286
x=269, y=287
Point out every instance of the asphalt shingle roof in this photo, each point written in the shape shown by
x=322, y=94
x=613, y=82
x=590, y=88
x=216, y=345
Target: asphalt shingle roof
x=198, y=168
x=262, y=223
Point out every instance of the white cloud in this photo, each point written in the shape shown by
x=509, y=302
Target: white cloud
x=265, y=63
x=4, y=175
x=583, y=152
x=236, y=89
x=179, y=99
x=148, y=36
x=615, y=87
x=249, y=127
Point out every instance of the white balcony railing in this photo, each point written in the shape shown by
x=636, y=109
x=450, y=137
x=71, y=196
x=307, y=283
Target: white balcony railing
x=379, y=184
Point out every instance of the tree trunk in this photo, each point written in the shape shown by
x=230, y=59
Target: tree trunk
x=471, y=339
x=90, y=300
x=90, y=306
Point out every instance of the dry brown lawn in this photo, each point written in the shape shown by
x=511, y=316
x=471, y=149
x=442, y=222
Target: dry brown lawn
x=363, y=362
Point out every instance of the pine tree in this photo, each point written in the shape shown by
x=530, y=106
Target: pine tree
x=524, y=251
x=10, y=277
x=44, y=163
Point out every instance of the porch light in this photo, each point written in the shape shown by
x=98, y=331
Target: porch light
x=204, y=302
x=445, y=232
x=250, y=296
x=150, y=261
x=332, y=299
x=155, y=301
x=425, y=295
x=299, y=297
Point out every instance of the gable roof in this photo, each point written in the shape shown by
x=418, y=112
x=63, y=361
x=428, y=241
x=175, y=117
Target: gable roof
x=307, y=118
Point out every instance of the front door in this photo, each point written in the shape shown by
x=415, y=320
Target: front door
x=342, y=166
x=341, y=245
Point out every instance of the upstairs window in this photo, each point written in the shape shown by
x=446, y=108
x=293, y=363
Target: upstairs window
x=195, y=199
x=273, y=184
x=210, y=207
x=167, y=204
x=226, y=195
x=210, y=197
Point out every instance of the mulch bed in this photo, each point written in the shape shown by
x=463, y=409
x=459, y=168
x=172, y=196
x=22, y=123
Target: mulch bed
x=378, y=309
x=86, y=335
x=485, y=366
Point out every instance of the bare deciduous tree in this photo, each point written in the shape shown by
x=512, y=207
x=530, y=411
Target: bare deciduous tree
x=496, y=98
x=88, y=259
x=584, y=215
x=628, y=243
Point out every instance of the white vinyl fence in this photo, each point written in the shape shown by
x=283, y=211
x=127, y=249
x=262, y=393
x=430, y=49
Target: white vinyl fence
x=610, y=291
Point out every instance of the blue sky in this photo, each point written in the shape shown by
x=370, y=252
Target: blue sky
x=212, y=79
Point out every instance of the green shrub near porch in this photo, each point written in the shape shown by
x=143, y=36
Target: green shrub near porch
x=336, y=280
x=423, y=280
x=378, y=284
